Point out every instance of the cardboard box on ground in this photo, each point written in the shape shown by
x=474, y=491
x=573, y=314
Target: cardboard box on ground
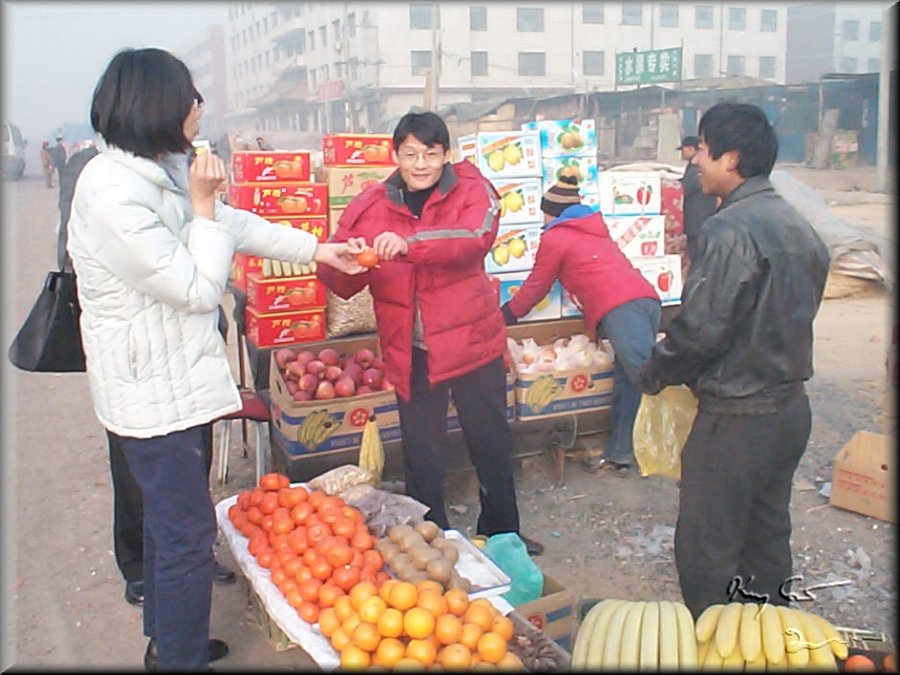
x=553, y=613
x=864, y=476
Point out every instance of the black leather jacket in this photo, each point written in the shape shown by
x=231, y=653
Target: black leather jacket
x=742, y=340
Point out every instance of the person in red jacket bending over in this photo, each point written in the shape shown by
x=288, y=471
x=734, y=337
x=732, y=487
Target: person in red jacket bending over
x=431, y=223
x=614, y=297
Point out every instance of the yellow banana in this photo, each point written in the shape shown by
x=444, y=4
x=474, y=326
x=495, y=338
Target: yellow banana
x=594, y=656
x=537, y=391
x=668, y=636
x=759, y=665
x=734, y=662
x=702, y=648
x=838, y=642
x=727, y=628
x=772, y=635
x=750, y=636
x=327, y=426
x=583, y=636
x=820, y=655
x=550, y=394
x=794, y=645
x=630, y=647
x=613, y=642
x=687, y=643
x=706, y=624
x=649, y=657
x=308, y=426
x=712, y=659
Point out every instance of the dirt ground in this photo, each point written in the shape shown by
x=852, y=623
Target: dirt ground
x=604, y=537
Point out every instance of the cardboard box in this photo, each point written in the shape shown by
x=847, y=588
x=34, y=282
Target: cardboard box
x=252, y=166
x=241, y=266
x=569, y=307
x=565, y=137
x=317, y=227
x=576, y=390
x=864, y=476
x=282, y=199
x=844, y=150
x=550, y=307
x=284, y=294
x=514, y=249
x=468, y=148
x=553, y=613
x=344, y=183
x=285, y=328
x=585, y=168
x=664, y=274
x=520, y=200
x=358, y=150
x=639, y=236
x=629, y=193
x=509, y=154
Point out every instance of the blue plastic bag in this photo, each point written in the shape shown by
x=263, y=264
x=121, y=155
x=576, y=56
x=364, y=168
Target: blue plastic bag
x=508, y=551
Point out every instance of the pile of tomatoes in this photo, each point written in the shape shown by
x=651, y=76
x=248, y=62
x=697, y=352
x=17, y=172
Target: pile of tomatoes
x=315, y=546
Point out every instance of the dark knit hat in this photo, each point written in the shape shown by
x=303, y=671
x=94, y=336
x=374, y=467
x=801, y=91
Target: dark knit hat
x=561, y=196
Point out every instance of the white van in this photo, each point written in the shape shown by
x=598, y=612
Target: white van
x=13, y=152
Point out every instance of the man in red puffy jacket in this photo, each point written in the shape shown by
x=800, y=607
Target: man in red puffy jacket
x=614, y=297
x=431, y=224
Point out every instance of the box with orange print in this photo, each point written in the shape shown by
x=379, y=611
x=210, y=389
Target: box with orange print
x=358, y=150
x=296, y=200
x=317, y=226
x=284, y=294
x=252, y=166
x=285, y=328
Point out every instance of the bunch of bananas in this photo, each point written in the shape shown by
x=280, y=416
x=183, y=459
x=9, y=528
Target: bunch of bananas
x=281, y=268
x=316, y=428
x=751, y=636
x=542, y=391
x=620, y=635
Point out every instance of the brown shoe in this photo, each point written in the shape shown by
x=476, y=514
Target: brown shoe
x=603, y=465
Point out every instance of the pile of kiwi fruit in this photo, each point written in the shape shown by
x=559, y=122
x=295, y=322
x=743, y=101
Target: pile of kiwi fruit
x=420, y=552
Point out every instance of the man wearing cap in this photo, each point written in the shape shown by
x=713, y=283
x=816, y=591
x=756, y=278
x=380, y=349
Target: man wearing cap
x=576, y=249
x=697, y=205
x=58, y=155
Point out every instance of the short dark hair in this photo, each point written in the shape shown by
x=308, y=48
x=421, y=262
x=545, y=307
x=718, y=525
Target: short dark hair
x=742, y=127
x=141, y=102
x=427, y=127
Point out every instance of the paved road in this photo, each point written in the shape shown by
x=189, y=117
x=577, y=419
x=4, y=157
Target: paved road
x=62, y=593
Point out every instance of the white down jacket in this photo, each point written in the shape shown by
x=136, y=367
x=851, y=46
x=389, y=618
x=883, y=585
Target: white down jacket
x=150, y=278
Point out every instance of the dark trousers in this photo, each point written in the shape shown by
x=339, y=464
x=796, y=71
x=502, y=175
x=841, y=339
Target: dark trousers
x=179, y=532
x=480, y=398
x=692, y=247
x=128, y=508
x=734, y=511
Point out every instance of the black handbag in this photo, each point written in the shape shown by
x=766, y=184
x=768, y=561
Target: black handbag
x=50, y=339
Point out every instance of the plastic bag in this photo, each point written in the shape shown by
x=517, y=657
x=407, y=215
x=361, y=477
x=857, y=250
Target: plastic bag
x=371, y=451
x=661, y=428
x=508, y=551
x=349, y=317
x=339, y=479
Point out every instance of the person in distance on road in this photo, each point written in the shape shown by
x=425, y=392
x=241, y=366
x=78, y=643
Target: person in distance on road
x=697, y=207
x=152, y=247
x=614, y=296
x=743, y=342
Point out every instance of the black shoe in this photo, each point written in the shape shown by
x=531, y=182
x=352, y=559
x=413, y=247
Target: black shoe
x=531, y=546
x=601, y=465
x=217, y=649
x=223, y=575
x=134, y=592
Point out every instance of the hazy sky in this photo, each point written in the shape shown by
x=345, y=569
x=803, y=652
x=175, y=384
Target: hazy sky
x=54, y=52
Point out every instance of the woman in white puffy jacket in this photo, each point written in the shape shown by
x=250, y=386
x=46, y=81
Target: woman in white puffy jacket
x=152, y=248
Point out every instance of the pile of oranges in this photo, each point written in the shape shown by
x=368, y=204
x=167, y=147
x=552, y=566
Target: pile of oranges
x=315, y=546
x=402, y=626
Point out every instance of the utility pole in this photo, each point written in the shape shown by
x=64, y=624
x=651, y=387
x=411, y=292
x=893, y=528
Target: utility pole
x=883, y=130
x=432, y=82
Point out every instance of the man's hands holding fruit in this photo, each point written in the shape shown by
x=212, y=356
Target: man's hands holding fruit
x=342, y=256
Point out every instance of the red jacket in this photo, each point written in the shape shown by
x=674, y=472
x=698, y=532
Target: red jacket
x=443, y=272
x=588, y=263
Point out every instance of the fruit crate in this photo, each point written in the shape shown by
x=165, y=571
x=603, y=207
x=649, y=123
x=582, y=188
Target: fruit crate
x=874, y=645
x=257, y=613
x=547, y=649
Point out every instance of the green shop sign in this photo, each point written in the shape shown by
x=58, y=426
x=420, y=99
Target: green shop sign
x=658, y=65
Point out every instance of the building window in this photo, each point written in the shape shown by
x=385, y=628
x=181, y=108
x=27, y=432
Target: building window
x=420, y=62
x=354, y=69
x=477, y=18
x=632, y=14
x=336, y=29
x=312, y=40
x=323, y=35
x=703, y=65
x=768, y=21
x=668, y=15
x=735, y=66
x=529, y=19
x=351, y=24
x=874, y=65
x=703, y=16
x=420, y=15
x=479, y=64
x=851, y=30
x=737, y=18
x=875, y=31
x=532, y=63
x=592, y=12
x=848, y=64
x=767, y=67
x=592, y=62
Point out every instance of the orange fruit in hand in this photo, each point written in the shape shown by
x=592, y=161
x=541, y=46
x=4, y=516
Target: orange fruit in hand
x=418, y=623
x=390, y=623
x=448, y=629
x=368, y=258
x=389, y=652
x=491, y=647
x=455, y=657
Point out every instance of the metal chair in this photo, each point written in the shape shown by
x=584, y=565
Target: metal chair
x=255, y=411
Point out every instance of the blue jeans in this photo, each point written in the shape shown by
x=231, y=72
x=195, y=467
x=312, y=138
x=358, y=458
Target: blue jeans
x=631, y=328
x=179, y=532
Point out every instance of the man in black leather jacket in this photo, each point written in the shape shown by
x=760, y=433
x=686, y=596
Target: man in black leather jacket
x=742, y=341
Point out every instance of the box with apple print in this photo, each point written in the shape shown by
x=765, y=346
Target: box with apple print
x=285, y=328
x=284, y=294
x=629, y=193
x=664, y=274
x=638, y=236
x=252, y=166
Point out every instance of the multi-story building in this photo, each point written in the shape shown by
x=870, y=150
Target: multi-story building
x=317, y=66
x=831, y=37
x=206, y=61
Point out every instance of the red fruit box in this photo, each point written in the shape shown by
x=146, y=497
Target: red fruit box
x=315, y=226
x=249, y=166
x=284, y=294
x=358, y=150
x=241, y=266
x=285, y=328
x=296, y=200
